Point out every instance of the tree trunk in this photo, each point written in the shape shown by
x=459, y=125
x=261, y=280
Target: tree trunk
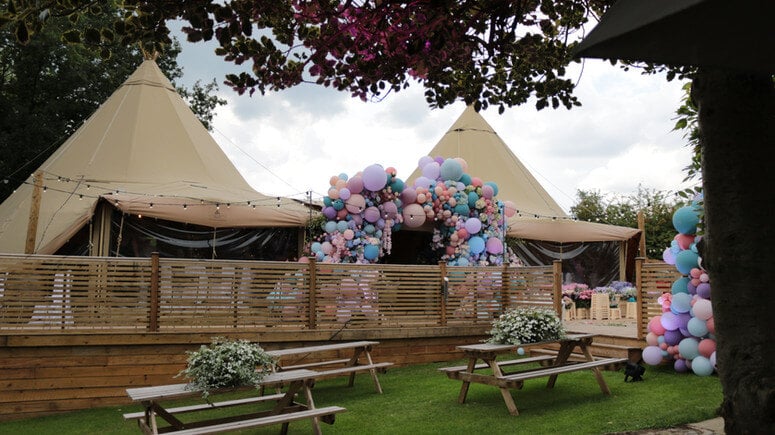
x=737, y=125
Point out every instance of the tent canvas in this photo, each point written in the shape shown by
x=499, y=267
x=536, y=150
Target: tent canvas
x=539, y=217
x=145, y=152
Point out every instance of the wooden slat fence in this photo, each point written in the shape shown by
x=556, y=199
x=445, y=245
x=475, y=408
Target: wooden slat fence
x=652, y=279
x=99, y=293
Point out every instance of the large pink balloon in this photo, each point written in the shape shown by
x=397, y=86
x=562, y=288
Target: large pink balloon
x=509, y=208
x=355, y=204
x=703, y=309
x=414, y=215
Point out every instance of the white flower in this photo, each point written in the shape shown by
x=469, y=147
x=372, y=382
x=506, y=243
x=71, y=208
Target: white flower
x=526, y=325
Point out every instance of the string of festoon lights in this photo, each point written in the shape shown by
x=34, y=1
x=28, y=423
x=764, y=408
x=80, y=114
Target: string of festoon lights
x=94, y=189
x=91, y=189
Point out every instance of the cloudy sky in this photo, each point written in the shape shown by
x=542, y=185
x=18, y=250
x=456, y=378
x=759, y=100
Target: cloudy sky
x=293, y=141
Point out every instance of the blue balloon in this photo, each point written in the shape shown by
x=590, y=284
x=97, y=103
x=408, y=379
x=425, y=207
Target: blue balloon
x=689, y=348
x=681, y=303
x=370, y=252
x=476, y=244
x=702, y=366
x=341, y=226
x=330, y=227
x=686, y=219
x=697, y=327
x=685, y=261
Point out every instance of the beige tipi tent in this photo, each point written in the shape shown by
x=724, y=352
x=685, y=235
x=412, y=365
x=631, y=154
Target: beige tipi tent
x=539, y=217
x=144, y=152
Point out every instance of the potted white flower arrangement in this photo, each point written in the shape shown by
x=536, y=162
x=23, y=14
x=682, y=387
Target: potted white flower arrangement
x=226, y=364
x=526, y=325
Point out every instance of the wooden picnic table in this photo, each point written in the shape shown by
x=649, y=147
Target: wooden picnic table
x=488, y=353
x=319, y=357
x=285, y=410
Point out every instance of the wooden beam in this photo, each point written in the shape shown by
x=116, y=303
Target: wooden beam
x=32, y=223
x=642, y=228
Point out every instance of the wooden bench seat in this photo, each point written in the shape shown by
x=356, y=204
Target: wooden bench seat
x=214, y=405
x=266, y=421
x=353, y=369
x=317, y=364
x=550, y=371
x=539, y=359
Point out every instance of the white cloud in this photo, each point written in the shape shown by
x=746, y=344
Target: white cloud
x=297, y=139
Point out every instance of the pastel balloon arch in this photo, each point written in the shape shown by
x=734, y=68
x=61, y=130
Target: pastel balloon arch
x=362, y=212
x=684, y=334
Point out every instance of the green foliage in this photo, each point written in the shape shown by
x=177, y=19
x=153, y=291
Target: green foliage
x=226, y=364
x=526, y=325
x=657, y=208
x=55, y=87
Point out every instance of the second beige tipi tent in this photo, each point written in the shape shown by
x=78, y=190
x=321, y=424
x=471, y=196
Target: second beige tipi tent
x=143, y=152
x=538, y=216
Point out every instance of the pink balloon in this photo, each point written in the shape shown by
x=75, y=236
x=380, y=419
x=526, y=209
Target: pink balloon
x=703, y=309
x=487, y=191
x=494, y=245
x=371, y=214
x=390, y=209
x=684, y=240
x=707, y=347
x=414, y=215
x=509, y=208
x=355, y=184
x=349, y=234
x=655, y=325
x=355, y=204
x=409, y=195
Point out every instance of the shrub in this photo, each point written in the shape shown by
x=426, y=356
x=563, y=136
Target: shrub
x=526, y=325
x=226, y=364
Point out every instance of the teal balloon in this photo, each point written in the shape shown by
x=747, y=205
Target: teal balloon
x=686, y=219
x=697, y=327
x=341, y=226
x=462, y=209
x=338, y=204
x=472, y=198
x=680, y=285
x=370, y=252
x=494, y=187
x=686, y=260
x=397, y=186
x=689, y=348
x=451, y=169
x=476, y=244
x=330, y=227
x=327, y=201
x=702, y=366
x=465, y=179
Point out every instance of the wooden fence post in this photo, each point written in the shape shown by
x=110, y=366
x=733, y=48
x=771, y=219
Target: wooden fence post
x=505, y=287
x=32, y=222
x=557, y=286
x=312, y=291
x=639, y=286
x=444, y=292
x=153, y=321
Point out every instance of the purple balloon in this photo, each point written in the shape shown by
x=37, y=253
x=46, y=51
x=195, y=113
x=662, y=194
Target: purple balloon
x=669, y=321
x=680, y=366
x=703, y=290
x=673, y=337
x=652, y=355
x=668, y=256
x=374, y=178
x=329, y=212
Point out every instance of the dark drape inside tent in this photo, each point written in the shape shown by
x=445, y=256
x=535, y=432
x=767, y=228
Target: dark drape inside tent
x=592, y=263
x=139, y=237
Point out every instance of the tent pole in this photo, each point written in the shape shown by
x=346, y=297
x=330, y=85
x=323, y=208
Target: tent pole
x=32, y=223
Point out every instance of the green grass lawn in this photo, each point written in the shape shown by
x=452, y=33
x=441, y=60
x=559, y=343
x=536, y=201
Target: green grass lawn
x=421, y=400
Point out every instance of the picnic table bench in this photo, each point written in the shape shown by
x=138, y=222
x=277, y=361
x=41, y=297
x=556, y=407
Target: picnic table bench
x=294, y=359
x=284, y=411
x=506, y=382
